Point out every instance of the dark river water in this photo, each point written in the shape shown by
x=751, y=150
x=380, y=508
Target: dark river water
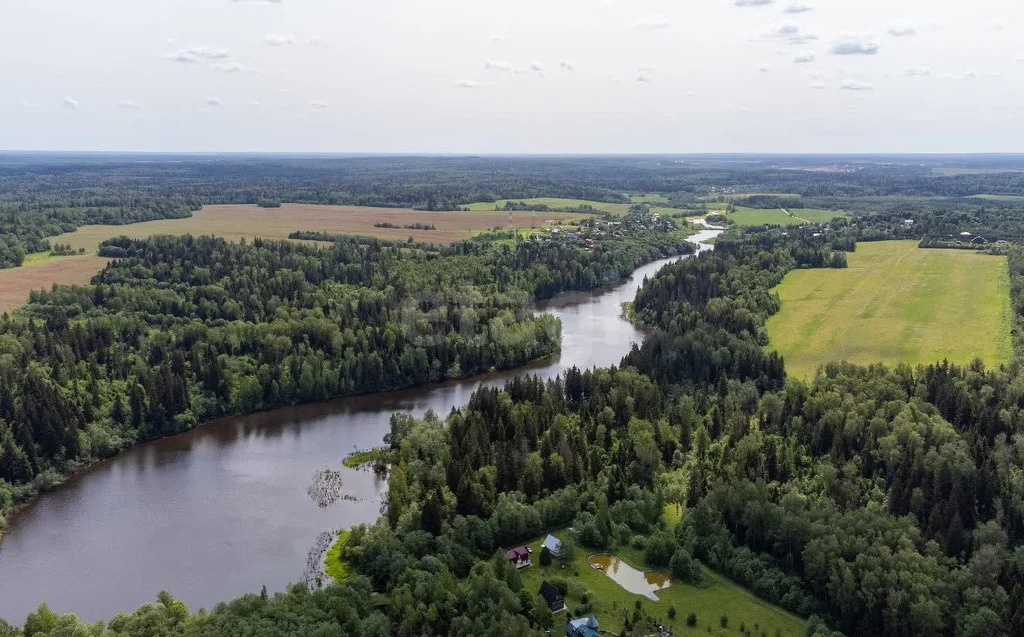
x=222, y=510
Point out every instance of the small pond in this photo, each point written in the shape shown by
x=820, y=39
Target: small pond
x=645, y=583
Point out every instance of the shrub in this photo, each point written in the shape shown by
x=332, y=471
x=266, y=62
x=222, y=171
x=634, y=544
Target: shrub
x=671, y=612
x=691, y=619
x=561, y=584
x=684, y=567
x=545, y=556
x=724, y=621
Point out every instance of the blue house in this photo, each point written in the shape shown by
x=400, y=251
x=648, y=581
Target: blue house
x=553, y=545
x=582, y=627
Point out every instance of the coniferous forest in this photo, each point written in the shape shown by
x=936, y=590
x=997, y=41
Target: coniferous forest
x=872, y=500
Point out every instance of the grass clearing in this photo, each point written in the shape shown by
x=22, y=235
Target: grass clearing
x=895, y=303
x=337, y=568
x=551, y=202
x=716, y=596
x=763, y=217
x=649, y=199
x=672, y=514
x=359, y=458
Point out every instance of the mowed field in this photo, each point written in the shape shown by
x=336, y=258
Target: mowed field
x=16, y=283
x=234, y=222
x=895, y=303
x=779, y=217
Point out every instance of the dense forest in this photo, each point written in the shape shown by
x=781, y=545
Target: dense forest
x=179, y=330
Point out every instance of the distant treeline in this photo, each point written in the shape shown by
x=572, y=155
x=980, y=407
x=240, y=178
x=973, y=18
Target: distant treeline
x=45, y=195
x=408, y=226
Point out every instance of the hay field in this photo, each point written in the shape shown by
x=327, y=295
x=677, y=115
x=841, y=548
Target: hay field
x=235, y=221
x=895, y=303
x=16, y=283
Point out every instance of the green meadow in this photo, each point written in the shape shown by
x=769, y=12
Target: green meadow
x=649, y=199
x=779, y=217
x=895, y=303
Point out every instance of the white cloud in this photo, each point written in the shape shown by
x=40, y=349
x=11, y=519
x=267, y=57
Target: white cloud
x=182, y=56
x=259, y=1
x=566, y=65
x=752, y=3
x=467, y=84
x=644, y=74
x=494, y=65
x=209, y=53
x=651, y=24
x=819, y=86
x=850, y=44
x=798, y=8
x=317, y=105
x=764, y=68
x=536, y=67
x=128, y=104
x=255, y=104
x=804, y=59
x=789, y=32
x=194, y=54
x=920, y=71
x=70, y=103
x=901, y=30
x=498, y=36
x=214, y=101
x=228, y=67
x=855, y=85
x=279, y=39
x=690, y=94
x=317, y=40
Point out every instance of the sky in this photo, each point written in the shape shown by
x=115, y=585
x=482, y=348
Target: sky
x=530, y=76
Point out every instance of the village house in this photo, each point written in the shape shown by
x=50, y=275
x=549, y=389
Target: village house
x=518, y=557
x=582, y=627
x=552, y=596
x=553, y=545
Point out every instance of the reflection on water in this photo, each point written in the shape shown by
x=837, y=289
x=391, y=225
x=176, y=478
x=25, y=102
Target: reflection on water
x=645, y=583
x=224, y=509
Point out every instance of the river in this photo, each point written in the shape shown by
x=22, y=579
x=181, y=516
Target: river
x=222, y=510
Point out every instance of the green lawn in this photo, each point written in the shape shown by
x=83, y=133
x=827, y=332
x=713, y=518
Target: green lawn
x=718, y=595
x=895, y=303
x=553, y=202
x=779, y=217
